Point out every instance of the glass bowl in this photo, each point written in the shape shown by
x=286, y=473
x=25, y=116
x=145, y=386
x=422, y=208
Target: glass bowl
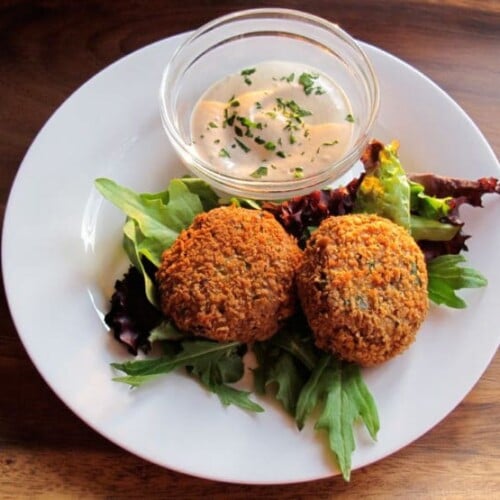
x=228, y=45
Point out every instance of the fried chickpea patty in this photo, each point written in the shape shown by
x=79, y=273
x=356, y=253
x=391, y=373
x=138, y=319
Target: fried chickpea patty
x=363, y=288
x=230, y=276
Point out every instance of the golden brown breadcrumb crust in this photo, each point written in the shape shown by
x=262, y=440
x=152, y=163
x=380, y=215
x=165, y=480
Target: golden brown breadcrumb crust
x=363, y=288
x=230, y=276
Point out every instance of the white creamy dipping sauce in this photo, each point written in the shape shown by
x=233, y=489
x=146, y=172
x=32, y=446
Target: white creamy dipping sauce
x=277, y=121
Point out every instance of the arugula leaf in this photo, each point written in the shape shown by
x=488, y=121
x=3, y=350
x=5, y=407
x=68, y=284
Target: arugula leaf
x=312, y=392
x=214, y=364
x=278, y=368
x=229, y=395
x=445, y=276
x=285, y=361
x=193, y=352
x=339, y=388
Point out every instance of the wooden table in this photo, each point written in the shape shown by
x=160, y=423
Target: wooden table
x=48, y=49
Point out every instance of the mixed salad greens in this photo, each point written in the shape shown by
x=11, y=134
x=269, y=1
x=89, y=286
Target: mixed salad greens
x=305, y=380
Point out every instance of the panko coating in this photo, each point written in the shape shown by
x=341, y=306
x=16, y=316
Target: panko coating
x=230, y=276
x=363, y=288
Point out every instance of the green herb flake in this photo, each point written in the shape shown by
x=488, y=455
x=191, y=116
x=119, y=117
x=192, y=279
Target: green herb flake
x=308, y=82
x=349, y=118
x=223, y=153
x=235, y=104
x=270, y=146
x=212, y=125
x=260, y=172
x=259, y=140
x=258, y=105
x=281, y=154
x=298, y=173
x=246, y=73
x=242, y=145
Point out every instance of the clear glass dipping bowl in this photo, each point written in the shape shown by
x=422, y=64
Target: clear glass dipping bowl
x=243, y=39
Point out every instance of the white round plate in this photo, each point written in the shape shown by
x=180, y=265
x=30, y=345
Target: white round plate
x=62, y=253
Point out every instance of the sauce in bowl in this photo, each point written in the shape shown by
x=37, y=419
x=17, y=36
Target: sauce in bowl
x=277, y=120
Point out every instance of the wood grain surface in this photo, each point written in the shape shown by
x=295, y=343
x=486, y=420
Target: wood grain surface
x=48, y=49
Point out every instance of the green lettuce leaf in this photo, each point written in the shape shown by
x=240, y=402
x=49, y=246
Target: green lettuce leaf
x=208, y=197
x=427, y=206
x=445, y=276
x=431, y=230
x=154, y=221
x=385, y=189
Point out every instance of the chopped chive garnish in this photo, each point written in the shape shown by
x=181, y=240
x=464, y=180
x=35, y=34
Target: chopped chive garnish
x=270, y=146
x=298, y=173
x=260, y=172
x=292, y=139
x=223, y=153
x=246, y=122
x=290, y=77
x=259, y=140
x=308, y=81
x=213, y=125
x=349, y=118
x=271, y=114
x=234, y=104
x=258, y=105
x=281, y=154
x=245, y=73
x=331, y=143
x=238, y=131
x=242, y=145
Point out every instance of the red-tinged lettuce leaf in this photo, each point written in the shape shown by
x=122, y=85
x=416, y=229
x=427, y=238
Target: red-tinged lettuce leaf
x=463, y=190
x=301, y=212
x=132, y=316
